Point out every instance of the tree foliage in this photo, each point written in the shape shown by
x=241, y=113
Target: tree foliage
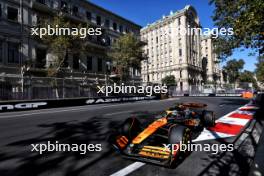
x=233, y=69
x=246, y=19
x=59, y=45
x=126, y=52
x=169, y=80
x=248, y=77
x=260, y=69
x=224, y=74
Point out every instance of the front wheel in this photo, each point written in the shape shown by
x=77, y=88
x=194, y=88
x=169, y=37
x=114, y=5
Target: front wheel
x=178, y=135
x=131, y=128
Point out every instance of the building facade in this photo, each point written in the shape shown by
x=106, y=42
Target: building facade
x=18, y=47
x=171, y=52
x=212, y=71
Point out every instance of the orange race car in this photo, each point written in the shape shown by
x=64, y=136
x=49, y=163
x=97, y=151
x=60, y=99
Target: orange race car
x=174, y=127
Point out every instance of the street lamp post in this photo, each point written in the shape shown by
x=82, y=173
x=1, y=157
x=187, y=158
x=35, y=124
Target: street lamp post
x=84, y=82
x=23, y=70
x=70, y=79
x=107, y=72
x=63, y=87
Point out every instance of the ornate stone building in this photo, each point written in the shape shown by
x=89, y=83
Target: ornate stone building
x=173, y=52
x=17, y=46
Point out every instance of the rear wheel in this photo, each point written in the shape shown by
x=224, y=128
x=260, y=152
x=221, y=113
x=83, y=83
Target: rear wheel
x=208, y=118
x=178, y=134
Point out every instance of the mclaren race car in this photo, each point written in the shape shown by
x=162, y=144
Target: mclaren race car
x=159, y=142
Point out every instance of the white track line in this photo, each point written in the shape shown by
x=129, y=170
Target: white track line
x=50, y=111
x=116, y=113
x=130, y=168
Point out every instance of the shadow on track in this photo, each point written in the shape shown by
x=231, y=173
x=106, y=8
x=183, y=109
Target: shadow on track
x=95, y=130
x=32, y=163
x=235, y=101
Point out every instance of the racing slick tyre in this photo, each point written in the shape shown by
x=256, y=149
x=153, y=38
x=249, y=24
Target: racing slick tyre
x=208, y=118
x=131, y=128
x=178, y=134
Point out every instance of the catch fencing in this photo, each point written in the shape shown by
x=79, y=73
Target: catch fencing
x=200, y=90
x=29, y=88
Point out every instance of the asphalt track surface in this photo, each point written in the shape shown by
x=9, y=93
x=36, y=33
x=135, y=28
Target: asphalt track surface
x=92, y=124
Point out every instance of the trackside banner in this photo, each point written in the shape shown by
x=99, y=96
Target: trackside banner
x=27, y=105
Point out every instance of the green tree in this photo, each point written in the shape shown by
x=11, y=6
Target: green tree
x=215, y=79
x=169, y=80
x=246, y=19
x=60, y=45
x=233, y=69
x=126, y=52
x=248, y=77
x=224, y=75
x=260, y=69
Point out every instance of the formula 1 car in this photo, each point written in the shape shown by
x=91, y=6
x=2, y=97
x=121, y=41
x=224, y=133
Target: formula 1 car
x=173, y=128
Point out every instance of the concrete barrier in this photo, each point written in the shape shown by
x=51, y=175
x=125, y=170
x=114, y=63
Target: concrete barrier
x=44, y=104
